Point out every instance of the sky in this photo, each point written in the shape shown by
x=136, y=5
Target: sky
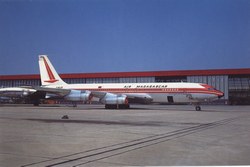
x=88, y=36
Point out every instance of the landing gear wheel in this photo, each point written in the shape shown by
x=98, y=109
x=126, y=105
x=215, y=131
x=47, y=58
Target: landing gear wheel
x=36, y=102
x=123, y=106
x=198, y=108
x=110, y=106
x=115, y=106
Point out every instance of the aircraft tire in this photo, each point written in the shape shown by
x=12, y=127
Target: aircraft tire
x=124, y=106
x=114, y=106
x=198, y=108
x=110, y=106
x=36, y=103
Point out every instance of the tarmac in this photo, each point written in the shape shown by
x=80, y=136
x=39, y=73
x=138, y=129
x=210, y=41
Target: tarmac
x=145, y=135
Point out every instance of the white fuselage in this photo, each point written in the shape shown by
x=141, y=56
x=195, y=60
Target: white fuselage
x=154, y=92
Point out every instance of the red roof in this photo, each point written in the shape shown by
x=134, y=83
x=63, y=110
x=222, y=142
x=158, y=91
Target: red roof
x=137, y=74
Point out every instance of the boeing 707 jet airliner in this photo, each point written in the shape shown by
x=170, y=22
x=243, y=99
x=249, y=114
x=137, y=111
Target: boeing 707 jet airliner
x=120, y=95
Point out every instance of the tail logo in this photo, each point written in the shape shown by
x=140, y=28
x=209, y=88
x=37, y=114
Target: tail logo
x=50, y=73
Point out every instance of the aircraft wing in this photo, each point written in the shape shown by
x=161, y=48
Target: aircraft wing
x=67, y=94
x=85, y=95
x=132, y=97
x=56, y=91
x=98, y=94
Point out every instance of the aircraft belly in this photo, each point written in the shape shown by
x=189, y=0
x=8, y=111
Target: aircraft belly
x=144, y=98
x=171, y=98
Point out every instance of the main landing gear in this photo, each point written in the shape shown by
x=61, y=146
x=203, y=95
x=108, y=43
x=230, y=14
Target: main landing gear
x=36, y=102
x=198, y=108
x=116, y=106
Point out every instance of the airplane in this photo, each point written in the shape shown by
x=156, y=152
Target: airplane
x=26, y=93
x=17, y=92
x=121, y=95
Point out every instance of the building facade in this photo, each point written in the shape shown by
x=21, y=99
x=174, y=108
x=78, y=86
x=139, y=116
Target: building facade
x=235, y=83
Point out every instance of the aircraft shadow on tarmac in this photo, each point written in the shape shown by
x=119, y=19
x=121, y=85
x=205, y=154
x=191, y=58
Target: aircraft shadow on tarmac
x=124, y=123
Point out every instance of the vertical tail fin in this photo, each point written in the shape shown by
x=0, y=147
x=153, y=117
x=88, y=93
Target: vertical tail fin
x=48, y=73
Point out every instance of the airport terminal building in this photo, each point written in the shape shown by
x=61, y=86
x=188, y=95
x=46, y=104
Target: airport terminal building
x=235, y=83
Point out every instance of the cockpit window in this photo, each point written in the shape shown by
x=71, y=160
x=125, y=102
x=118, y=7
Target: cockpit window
x=211, y=89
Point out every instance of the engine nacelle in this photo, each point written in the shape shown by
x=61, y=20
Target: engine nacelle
x=77, y=95
x=114, y=99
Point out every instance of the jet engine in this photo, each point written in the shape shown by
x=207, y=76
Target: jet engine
x=77, y=95
x=113, y=101
x=116, y=100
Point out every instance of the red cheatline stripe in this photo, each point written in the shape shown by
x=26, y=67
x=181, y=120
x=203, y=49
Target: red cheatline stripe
x=155, y=91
